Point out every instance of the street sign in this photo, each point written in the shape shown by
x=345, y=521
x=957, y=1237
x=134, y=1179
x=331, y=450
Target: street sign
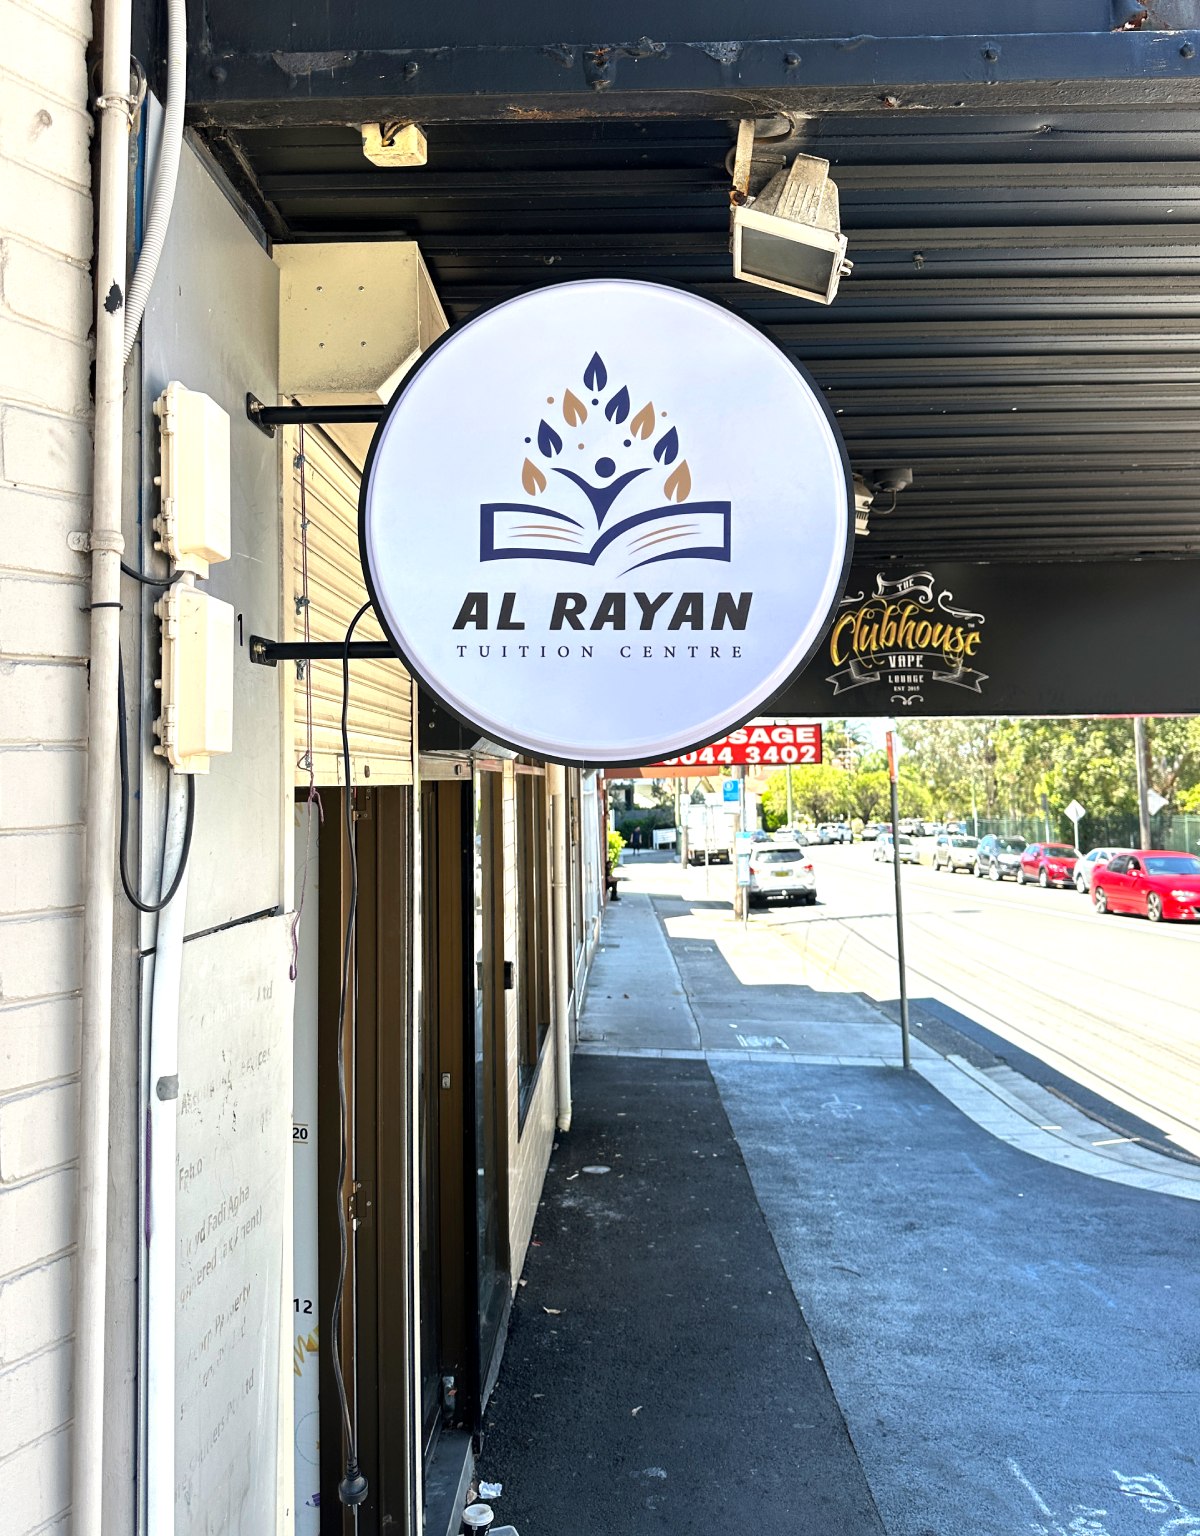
x=1155, y=801
x=731, y=790
x=756, y=746
x=1076, y=812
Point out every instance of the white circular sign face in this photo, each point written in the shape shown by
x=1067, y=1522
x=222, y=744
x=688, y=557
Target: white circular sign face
x=605, y=522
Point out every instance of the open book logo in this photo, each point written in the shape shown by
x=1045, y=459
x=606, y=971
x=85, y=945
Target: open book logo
x=613, y=507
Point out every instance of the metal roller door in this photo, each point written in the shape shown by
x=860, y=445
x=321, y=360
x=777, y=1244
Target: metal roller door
x=327, y=591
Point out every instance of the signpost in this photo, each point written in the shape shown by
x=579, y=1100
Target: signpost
x=731, y=791
x=1076, y=813
x=891, y=761
x=1155, y=801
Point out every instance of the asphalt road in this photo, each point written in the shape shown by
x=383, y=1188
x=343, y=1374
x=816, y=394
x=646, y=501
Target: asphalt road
x=1109, y=1002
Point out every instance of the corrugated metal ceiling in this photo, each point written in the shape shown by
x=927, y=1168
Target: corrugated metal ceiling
x=1022, y=327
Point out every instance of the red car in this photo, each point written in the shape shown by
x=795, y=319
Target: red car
x=1048, y=864
x=1162, y=883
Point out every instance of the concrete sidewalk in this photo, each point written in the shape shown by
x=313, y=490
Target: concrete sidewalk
x=815, y=1293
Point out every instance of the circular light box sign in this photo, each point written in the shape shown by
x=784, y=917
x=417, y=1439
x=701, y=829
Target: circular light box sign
x=606, y=521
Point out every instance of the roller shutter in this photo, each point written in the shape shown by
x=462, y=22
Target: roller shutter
x=327, y=583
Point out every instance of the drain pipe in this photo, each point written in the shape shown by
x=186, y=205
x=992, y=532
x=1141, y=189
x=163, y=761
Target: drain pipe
x=115, y=109
x=161, y=1181
x=557, y=777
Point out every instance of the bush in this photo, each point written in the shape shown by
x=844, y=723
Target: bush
x=615, y=843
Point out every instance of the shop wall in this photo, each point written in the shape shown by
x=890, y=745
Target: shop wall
x=530, y=1137
x=45, y=477
x=212, y=324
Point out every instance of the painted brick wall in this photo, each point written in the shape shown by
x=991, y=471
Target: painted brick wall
x=45, y=471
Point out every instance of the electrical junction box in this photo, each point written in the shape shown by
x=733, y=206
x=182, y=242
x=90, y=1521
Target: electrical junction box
x=193, y=524
x=196, y=722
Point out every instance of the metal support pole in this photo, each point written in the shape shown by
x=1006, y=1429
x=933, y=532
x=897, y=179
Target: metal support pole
x=790, y=821
x=1141, y=755
x=891, y=752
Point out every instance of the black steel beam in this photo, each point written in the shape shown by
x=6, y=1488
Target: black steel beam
x=247, y=69
x=266, y=653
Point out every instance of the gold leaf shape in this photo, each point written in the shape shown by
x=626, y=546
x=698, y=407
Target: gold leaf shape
x=643, y=423
x=532, y=478
x=679, y=483
x=574, y=410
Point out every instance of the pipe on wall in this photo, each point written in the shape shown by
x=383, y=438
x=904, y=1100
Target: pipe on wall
x=557, y=778
x=115, y=109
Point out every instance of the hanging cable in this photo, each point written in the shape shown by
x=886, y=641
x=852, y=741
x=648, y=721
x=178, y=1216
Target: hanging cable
x=149, y=581
x=123, y=752
x=352, y=1489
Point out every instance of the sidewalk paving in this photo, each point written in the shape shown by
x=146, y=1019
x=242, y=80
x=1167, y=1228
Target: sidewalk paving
x=1011, y=1344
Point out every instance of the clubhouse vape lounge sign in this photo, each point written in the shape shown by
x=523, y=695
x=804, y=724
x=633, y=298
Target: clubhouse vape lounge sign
x=605, y=522
x=909, y=636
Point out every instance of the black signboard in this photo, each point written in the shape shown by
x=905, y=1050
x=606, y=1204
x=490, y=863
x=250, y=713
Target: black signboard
x=1087, y=639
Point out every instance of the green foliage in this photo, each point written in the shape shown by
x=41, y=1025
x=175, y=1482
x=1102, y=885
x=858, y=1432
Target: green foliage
x=997, y=768
x=615, y=843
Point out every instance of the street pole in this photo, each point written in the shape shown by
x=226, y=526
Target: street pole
x=789, y=797
x=891, y=757
x=1142, y=756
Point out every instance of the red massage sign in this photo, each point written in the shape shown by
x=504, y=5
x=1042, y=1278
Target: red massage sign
x=754, y=746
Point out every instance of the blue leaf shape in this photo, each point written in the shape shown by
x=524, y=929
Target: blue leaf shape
x=618, y=407
x=595, y=375
x=666, y=449
x=548, y=439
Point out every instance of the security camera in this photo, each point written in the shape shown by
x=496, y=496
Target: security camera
x=789, y=237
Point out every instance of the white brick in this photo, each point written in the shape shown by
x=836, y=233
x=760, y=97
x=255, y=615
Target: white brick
x=53, y=373
x=37, y=50
x=48, y=214
x=47, y=290
x=43, y=1474
x=41, y=787
x=38, y=1131
x=34, y=527
x=35, y=1398
x=38, y=1044
x=35, y=1310
x=44, y=451
x=41, y=871
x=72, y=15
x=40, y=957
x=42, y=702
x=43, y=618
x=37, y=1220
x=39, y=130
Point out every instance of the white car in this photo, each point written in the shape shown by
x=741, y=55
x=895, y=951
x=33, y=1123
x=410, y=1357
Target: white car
x=953, y=851
x=783, y=871
x=905, y=846
x=1087, y=865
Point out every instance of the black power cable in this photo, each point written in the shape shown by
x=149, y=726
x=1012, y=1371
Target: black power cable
x=352, y=1490
x=149, y=581
x=127, y=884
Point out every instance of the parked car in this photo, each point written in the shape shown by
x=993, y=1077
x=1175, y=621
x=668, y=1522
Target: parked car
x=1094, y=859
x=906, y=849
x=952, y=852
x=998, y=857
x=871, y=831
x=835, y=832
x=1048, y=864
x=782, y=870
x=1161, y=883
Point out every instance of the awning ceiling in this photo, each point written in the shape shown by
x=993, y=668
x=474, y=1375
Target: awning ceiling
x=1022, y=327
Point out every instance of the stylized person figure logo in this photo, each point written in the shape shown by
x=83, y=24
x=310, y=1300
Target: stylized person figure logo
x=618, y=452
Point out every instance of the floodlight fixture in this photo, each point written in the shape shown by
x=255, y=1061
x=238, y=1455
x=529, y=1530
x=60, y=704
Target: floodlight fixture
x=789, y=237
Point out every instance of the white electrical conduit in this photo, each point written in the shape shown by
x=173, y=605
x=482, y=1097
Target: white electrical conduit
x=115, y=110
x=166, y=172
x=557, y=782
x=161, y=1181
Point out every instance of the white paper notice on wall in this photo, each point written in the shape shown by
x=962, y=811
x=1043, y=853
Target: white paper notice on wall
x=233, y=1150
